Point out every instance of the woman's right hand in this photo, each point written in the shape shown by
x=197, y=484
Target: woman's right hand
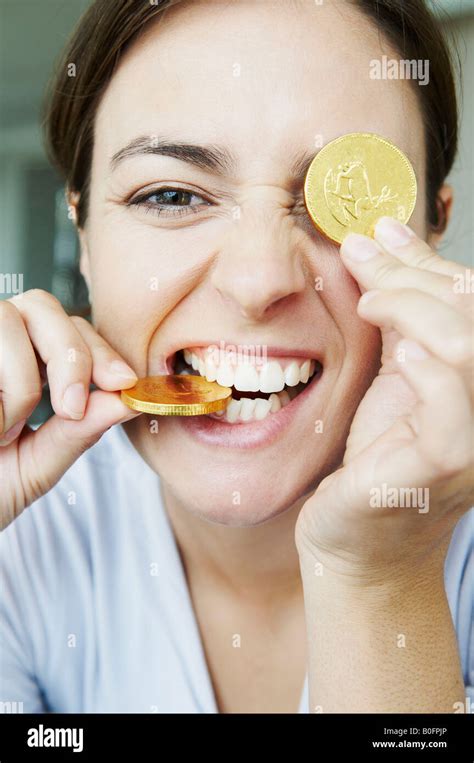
x=39, y=342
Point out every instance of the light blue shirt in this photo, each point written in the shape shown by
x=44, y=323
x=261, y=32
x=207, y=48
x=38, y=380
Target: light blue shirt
x=95, y=612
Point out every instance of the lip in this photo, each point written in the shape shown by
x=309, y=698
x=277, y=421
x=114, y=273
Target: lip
x=246, y=436
x=271, y=351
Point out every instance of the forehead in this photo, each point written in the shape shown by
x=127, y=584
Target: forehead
x=264, y=78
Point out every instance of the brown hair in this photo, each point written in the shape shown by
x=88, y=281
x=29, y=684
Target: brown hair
x=109, y=27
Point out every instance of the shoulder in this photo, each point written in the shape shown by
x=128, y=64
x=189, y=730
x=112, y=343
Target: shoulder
x=84, y=521
x=459, y=584
x=459, y=565
x=94, y=484
x=65, y=567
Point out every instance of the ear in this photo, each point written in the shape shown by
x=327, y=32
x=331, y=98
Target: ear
x=444, y=203
x=72, y=200
x=84, y=259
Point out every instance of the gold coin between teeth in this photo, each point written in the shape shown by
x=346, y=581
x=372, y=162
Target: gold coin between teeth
x=354, y=180
x=177, y=395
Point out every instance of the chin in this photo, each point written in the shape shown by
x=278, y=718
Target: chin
x=259, y=502
x=243, y=489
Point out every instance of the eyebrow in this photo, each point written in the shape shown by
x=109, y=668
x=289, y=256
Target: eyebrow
x=209, y=157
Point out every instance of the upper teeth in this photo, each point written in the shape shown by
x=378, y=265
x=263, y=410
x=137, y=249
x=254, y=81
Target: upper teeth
x=271, y=376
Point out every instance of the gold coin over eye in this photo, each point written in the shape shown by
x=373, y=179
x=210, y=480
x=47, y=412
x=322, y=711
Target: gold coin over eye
x=176, y=395
x=354, y=180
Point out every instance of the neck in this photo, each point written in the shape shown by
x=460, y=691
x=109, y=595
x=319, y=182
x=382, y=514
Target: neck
x=261, y=562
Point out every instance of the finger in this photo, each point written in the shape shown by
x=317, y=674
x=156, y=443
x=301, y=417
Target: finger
x=20, y=383
x=444, y=331
x=46, y=453
x=443, y=419
x=62, y=349
x=374, y=268
x=109, y=370
x=401, y=241
x=9, y=435
x=431, y=442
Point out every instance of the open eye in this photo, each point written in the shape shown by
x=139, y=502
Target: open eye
x=170, y=201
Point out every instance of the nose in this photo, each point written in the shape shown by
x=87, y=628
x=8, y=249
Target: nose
x=260, y=262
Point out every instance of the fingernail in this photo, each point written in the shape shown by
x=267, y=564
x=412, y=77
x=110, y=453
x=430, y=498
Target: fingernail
x=367, y=296
x=74, y=400
x=119, y=368
x=13, y=432
x=359, y=248
x=392, y=232
x=407, y=348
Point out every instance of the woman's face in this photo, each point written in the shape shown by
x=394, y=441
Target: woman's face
x=231, y=258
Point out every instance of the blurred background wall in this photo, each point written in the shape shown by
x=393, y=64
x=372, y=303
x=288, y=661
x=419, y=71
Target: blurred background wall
x=36, y=238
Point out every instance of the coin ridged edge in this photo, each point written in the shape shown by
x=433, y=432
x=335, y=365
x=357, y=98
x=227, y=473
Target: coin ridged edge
x=170, y=409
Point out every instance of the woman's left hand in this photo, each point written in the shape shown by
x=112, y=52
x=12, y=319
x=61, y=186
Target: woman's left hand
x=407, y=474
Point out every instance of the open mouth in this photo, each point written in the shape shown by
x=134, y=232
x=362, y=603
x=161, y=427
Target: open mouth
x=259, y=389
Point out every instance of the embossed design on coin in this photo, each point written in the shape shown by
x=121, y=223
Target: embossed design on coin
x=348, y=194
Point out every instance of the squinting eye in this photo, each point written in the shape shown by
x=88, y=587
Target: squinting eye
x=169, y=201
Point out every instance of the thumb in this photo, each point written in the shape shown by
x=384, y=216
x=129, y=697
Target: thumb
x=49, y=451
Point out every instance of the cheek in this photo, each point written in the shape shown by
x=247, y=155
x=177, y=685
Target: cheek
x=355, y=356
x=363, y=346
x=138, y=275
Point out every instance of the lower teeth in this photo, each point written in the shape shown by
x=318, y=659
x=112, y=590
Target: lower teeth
x=258, y=408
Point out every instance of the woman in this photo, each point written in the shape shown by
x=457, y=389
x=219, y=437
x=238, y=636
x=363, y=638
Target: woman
x=184, y=131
